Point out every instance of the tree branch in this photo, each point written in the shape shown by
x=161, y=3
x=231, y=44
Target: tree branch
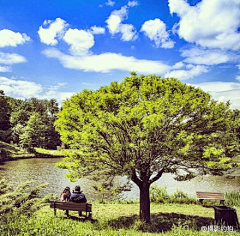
x=135, y=179
x=156, y=177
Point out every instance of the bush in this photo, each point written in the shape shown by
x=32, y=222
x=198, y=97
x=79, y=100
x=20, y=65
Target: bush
x=233, y=198
x=160, y=195
x=179, y=194
x=3, y=154
x=24, y=200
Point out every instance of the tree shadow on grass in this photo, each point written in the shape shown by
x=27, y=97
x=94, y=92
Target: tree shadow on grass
x=161, y=222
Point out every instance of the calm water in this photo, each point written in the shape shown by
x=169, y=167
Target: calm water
x=41, y=170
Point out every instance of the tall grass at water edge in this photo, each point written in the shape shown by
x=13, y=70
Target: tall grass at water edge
x=160, y=195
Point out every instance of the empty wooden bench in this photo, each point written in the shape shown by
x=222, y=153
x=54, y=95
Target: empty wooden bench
x=210, y=196
x=72, y=206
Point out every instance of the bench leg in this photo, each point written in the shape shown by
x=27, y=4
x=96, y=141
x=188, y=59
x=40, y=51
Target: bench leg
x=201, y=201
x=55, y=209
x=67, y=213
x=222, y=202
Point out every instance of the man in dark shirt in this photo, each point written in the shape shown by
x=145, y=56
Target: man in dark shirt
x=78, y=196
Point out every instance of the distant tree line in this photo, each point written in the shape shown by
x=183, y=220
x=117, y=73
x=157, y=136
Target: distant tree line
x=29, y=123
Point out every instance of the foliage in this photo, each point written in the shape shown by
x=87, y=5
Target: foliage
x=34, y=132
x=146, y=126
x=24, y=200
x=160, y=195
x=16, y=118
x=4, y=116
x=233, y=198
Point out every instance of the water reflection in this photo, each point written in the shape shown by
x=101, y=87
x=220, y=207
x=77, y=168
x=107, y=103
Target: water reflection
x=41, y=170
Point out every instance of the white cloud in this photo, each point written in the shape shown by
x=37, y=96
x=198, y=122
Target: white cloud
x=106, y=62
x=53, y=30
x=156, y=31
x=128, y=32
x=26, y=89
x=211, y=23
x=80, y=40
x=178, y=65
x=10, y=38
x=180, y=7
x=190, y=72
x=97, y=30
x=206, y=56
x=115, y=25
x=132, y=3
x=20, y=88
x=115, y=19
x=223, y=92
x=5, y=69
x=110, y=3
x=11, y=58
x=53, y=92
x=238, y=78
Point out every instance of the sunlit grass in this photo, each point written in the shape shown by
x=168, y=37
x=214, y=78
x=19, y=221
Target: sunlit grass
x=49, y=152
x=118, y=219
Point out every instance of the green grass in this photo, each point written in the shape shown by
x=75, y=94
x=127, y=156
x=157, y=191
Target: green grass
x=12, y=151
x=117, y=219
x=10, y=148
x=49, y=152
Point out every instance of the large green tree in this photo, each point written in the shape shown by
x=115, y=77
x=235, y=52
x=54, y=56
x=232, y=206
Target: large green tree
x=4, y=116
x=33, y=134
x=143, y=127
x=21, y=112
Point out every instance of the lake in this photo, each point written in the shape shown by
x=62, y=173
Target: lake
x=41, y=170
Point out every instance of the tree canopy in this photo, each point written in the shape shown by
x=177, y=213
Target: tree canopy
x=146, y=126
x=17, y=116
x=4, y=116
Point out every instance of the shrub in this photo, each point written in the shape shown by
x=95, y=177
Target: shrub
x=160, y=195
x=179, y=194
x=23, y=200
x=233, y=198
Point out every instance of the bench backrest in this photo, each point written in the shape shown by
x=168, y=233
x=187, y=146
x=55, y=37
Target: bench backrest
x=72, y=206
x=210, y=195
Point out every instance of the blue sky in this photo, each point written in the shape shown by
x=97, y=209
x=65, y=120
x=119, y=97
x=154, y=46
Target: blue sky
x=53, y=49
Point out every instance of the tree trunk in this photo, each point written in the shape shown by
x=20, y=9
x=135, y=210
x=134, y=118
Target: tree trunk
x=145, y=202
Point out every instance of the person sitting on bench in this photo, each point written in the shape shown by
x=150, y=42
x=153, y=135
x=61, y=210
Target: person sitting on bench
x=65, y=195
x=78, y=196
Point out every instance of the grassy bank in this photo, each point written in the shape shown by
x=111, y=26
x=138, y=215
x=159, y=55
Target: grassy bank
x=118, y=219
x=24, y=212
x=12, y=152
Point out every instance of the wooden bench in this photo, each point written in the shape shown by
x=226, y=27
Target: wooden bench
x=72, y=206
x=210, y=196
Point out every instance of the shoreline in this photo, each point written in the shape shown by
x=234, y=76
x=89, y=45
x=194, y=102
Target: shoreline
x=12, y=152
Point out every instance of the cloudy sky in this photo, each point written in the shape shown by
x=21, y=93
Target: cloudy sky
x=52, y=49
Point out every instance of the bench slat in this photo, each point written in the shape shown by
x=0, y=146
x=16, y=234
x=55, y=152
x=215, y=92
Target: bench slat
x=72, y=206
x=210, y=195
